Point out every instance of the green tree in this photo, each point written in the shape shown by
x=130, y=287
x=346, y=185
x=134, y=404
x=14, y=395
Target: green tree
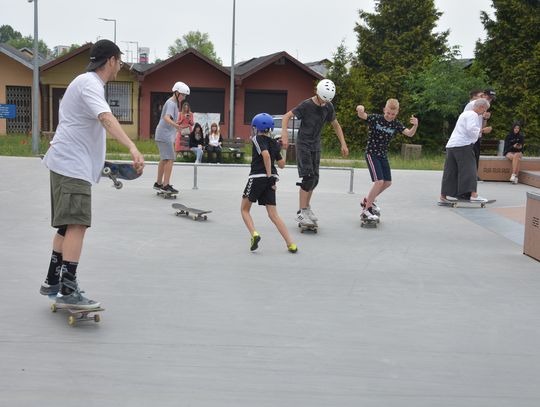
x=510, y=56
x=8, y=33
x=28, y=42
x=197, y=40
x=351, y=87
x=396, y=40
x=72, y=47
x=437, y=95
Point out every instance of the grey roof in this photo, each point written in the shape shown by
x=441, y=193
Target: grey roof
x=141, y=68
x=19, y=56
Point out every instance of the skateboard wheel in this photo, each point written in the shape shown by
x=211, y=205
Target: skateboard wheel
x=118, y=185
x=106, y=171
x=314, y=230
x=194, y=217
x=53, y=308
x=187, y=213
x=299, y=225
x=205, y=217
x=71, y=320
x=97, y=318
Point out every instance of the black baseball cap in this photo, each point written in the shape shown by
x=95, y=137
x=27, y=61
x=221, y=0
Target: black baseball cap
x=100, y=52
x=491, y=93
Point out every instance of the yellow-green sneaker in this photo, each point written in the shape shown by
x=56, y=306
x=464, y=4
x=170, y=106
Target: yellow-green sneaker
x=292, y=248
x=255, y=239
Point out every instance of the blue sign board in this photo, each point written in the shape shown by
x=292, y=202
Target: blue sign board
x=7, y=111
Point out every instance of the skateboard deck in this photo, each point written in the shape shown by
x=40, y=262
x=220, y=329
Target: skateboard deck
x=369, y=223
x=194, y=213
x=464, y=203
x=308, y=228
x=77, y=315
x=116, y=171
x=167, y=195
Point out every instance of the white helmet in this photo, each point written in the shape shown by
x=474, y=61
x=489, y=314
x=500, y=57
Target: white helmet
x=326, y=90
x=181, y=87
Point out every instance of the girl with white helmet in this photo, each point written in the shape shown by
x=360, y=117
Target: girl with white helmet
x=165, y=137
x=313, y=113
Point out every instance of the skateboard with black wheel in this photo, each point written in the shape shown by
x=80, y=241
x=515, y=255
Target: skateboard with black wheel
x=464, y=203
x=116, y=171
x=368, y=223
x=167, y=194
x=308, y=228
x=195, y=214
x=77, y=315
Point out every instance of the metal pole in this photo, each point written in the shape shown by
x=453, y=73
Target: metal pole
x=35, y=86
x=114, y=31
x=195, y=176
x=231, y=91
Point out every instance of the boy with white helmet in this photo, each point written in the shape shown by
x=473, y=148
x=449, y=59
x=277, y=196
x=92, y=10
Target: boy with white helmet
x=165, y=137
x=313, y=113
x=261, y=185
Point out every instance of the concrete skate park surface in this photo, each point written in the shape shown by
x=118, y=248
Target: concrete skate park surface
x=436, y=307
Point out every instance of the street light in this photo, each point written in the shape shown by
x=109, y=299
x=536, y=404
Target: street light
x=109, y=19
x=231, y=92
x=35, y=84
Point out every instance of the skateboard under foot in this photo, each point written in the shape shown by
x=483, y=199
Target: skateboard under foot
x=464, y=203
x=167, y=195
x=369, y=223
x=308, y=228
x=80, y=315
x=195, y=214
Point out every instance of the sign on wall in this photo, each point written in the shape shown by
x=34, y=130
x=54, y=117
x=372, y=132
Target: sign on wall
x=7, y=111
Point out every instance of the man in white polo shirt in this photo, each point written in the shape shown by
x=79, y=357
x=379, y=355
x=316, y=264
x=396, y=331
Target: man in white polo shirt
x=459, y=176
x=75, y=159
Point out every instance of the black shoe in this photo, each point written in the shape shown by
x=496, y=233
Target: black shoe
x=157, y=186
x=170, y=189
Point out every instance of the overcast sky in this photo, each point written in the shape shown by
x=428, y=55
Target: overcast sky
x=309, y=30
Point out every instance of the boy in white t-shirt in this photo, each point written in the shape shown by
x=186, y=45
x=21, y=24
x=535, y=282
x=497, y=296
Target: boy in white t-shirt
x=75, y=159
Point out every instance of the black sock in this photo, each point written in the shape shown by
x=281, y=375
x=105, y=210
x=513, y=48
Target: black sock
x=69, y=272
x=55, y=266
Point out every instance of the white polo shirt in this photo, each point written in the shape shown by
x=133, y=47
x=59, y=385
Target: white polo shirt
x=466, y=131
x=79, y=144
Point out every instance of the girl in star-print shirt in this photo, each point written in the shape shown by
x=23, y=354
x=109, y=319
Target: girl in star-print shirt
x=382, y=128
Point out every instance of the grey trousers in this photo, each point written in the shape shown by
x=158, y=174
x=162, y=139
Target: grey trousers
x=459, y=176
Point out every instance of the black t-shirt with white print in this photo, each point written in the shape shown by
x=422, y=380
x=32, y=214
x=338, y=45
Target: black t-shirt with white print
x=259, y=144
x=380, y=133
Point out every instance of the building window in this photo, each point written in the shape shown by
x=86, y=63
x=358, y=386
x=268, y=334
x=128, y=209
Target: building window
x=208, y=101
x=119, y=96
x=264, y=101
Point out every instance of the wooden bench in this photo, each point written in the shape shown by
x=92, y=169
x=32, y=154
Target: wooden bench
x=230, y=148
x=498, y=168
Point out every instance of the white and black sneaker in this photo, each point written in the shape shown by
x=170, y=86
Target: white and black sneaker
x=311, y=215
x=302, y=217
x=368, y=215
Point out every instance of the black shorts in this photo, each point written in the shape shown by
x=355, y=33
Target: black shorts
x=308, y=162
x=379, y=168
x=260, y=189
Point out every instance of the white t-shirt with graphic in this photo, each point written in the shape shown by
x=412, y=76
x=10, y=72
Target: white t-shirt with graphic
x=78, y=147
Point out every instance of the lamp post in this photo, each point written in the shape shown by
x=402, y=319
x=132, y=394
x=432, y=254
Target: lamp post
x=231, y=91
x=35, y=84
x=109, y=19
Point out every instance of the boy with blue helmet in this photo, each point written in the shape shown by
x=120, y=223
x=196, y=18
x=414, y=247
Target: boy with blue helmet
x=261, y=185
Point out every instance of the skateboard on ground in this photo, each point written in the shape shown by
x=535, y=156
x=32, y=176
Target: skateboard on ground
x=78, y=315
x=464, y=203
x=116, y=171
x=195, y=214
x=308, y=228
x=167, y=194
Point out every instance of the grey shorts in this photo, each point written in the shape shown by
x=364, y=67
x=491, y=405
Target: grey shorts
x=71, y=201
x=166, y=150
x=308, y=162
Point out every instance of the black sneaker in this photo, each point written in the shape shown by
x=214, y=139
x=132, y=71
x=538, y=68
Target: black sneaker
x=170, y=189
x=157, y=186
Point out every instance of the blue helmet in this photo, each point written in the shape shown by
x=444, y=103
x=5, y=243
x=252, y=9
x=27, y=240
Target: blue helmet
x=263, y=122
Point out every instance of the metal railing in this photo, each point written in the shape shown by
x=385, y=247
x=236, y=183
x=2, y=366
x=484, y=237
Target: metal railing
x=196, y=166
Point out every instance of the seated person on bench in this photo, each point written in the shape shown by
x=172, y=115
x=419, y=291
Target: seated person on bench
x=196, y=142
x=213, y=142
x=513, y=149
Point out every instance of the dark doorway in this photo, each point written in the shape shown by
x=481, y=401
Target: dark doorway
x=157, y=100
x=57, y=95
